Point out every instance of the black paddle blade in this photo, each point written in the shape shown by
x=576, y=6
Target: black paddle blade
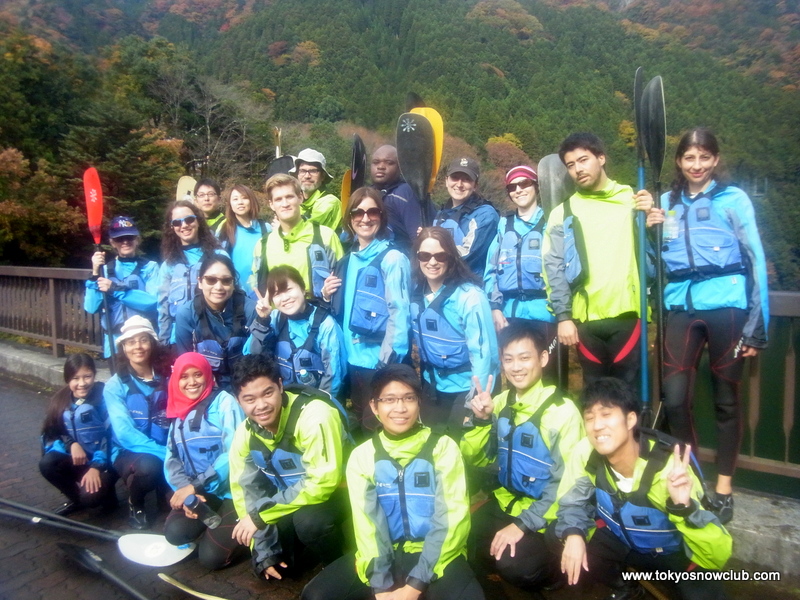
x=638, y=86
x=83, y=556
x=414, y=100
x=654, y=120
x=358, y=164
x=555, y=184
x=284, y=164
x=415, y=150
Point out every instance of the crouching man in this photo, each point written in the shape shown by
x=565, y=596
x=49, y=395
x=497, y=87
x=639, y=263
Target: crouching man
x=647, y=497
x=410, y=508
x=286, y=464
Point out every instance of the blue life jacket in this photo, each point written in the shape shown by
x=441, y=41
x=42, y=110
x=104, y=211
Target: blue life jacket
x=119, y=312
x=221, y=354
x=370, y=311
x=452, y=223
x=283, y=466
x=200, y=444
x=441, y=346
x=149, y=412
x=221, y=233
x=632, y=517
x=519, y=263
x=301, y=365
x=84, y=423
x=522, y=455
x=706, y=245
x=407, y=494
x=576, y=265
x=319, y=267
x=182, y=284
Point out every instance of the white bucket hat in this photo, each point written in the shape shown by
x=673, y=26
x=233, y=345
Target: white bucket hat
x=311, y=156
x=134, y=326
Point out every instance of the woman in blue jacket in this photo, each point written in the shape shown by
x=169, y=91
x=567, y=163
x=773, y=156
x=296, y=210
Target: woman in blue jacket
x=216, y=323
x=369, y=295
x=204, y=419
x=513, y=277
x=185, y=242
x=309, y=342
x=75, y=440
x=716, y=294
x=452, y=324
x=241, y=231
x=136, y=401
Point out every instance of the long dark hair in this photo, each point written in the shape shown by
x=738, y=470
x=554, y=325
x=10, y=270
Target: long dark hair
x=161, y=359
x=458, y=271
x=171, y=247
x=704, y=138
x=230, y=217
x=53, y=426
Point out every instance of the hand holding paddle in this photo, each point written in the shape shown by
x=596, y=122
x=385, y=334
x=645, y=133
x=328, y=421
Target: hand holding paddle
x=644, y=201
x=332, y=283
x=482, y=404
x=568, y=333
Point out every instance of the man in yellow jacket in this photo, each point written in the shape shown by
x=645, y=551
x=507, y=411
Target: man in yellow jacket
x=286, y=466
x=590, y=263
x=526, y=433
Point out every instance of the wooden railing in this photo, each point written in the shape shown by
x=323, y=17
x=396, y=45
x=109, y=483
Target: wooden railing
x=47, y=304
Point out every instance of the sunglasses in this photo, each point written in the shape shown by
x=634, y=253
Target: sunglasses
x=441, y=257
x=190, y=220
x=523, y=185
x=211, y=280
x=373, y=213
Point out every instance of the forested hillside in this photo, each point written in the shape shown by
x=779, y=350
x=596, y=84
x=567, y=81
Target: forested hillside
x=510, y=79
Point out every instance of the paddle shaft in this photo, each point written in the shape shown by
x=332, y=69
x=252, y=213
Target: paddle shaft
x=103, y=535
x=54, y=517
x=107, y=315
x=643, y=347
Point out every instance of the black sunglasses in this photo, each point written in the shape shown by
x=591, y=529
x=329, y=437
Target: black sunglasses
x=441, y=257
x=523, y=185
x=187, y=220
x=373, y=213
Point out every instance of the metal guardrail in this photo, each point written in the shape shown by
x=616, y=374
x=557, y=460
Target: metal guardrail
x=47, y=304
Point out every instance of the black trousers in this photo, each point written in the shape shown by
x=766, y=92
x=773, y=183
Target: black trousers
x=532, y=566
x=216, y=549
x=339, y=581
x=607, y=556
x=610, y=348
x=57, y=468
x=360, y=395
x=141, y=473
x=685, y=336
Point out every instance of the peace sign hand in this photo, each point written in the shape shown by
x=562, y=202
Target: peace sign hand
x=263, y=307
x=679, y=484
x=482, y=405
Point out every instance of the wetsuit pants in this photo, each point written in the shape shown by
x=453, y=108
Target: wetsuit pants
x=57, y=468
x=686, y=335
x=141, y=472
x=610, y=348
x=216, y=548
x=339, y=580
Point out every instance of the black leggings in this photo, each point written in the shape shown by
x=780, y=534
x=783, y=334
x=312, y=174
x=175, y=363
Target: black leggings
x=216, y=548
x=610, y=348
x=141, y=473
x=339, y=580
x=360, y=395
x=58, y=469
x=686, y=335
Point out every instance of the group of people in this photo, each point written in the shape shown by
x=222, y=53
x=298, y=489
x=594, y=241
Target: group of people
x=291, y=351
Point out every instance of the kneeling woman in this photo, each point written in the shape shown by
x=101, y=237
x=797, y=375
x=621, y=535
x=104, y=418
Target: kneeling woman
x=310, y=346
x=75, y=439
x=216, y=322
x=452, y=324
x=403, y=547
x=205, y=419
x=369, y=298
x=137, y=402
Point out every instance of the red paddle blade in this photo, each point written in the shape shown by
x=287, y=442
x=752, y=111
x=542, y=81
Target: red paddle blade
x=94, y=202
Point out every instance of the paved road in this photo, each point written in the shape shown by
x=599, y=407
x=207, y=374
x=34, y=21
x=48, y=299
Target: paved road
x=33, y=568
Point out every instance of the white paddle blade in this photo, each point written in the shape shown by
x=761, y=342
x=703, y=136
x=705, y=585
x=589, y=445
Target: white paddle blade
x=187, y=589
x=152, y=550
